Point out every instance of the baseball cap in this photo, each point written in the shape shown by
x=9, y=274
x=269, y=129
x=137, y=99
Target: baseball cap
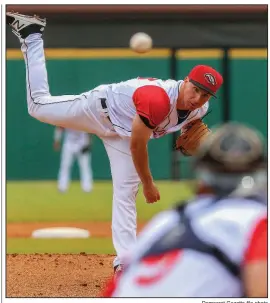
x=206, y=78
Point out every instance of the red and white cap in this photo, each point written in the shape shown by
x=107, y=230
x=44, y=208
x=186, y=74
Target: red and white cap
x=206, y=78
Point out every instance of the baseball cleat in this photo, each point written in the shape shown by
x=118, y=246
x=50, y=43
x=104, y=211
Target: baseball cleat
x=22, y=25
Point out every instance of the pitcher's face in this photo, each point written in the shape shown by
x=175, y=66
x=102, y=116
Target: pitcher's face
x=194, y=97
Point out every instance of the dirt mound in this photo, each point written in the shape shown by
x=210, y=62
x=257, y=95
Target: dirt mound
x=57, y=275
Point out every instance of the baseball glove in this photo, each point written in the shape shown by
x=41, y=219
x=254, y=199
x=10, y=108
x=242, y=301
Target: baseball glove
x=191, y=137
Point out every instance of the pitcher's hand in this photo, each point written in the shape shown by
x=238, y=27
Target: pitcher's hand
x=151, y=193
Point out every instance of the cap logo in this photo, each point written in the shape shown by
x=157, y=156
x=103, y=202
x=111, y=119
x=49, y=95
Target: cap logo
x=210, y=79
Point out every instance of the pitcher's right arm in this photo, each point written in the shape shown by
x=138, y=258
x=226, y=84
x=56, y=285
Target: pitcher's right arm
x=152, y=106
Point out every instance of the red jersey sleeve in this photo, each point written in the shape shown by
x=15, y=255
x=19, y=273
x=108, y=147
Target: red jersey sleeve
x=152, y=102
x=257, y=248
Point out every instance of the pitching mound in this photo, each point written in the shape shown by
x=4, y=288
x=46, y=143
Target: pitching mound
x=57, y=275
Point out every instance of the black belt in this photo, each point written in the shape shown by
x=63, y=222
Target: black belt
x=104, y=106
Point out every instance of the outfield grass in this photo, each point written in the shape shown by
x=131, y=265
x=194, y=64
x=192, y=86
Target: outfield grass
x=64, y=246
x=39, y=201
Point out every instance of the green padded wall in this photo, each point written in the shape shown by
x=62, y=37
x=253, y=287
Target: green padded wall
x=29, y=149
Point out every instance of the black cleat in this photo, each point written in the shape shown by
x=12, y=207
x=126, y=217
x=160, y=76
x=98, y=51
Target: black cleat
x=22, y=25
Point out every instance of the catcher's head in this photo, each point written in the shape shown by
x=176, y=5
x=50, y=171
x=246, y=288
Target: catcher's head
x=202, y=82
x=231, y=158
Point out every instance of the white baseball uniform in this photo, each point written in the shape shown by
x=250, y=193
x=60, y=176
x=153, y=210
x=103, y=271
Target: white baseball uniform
x=196, y=252
x=108, y=111
x=76, y=145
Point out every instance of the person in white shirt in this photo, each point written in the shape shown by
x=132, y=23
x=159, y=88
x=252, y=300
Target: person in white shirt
x=124, y=115
x=215, y=245
x=76, y=145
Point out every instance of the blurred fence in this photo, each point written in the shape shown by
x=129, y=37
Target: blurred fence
x=29, y=142
x=91, y=50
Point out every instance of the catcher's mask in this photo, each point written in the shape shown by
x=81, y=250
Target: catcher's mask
x=232, y=159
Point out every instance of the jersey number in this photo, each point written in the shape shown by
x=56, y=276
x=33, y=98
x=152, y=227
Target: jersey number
x=161, y=265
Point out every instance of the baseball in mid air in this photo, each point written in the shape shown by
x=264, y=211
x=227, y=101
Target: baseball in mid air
x=141, y=42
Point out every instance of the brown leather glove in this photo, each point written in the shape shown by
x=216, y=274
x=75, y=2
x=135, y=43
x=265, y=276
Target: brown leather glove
x=191, y=137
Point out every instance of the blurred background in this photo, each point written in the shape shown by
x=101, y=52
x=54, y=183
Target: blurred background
x=89, y=45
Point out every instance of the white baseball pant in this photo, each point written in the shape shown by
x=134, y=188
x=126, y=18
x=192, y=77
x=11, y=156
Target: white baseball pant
x=84, y=112
x=69, y=153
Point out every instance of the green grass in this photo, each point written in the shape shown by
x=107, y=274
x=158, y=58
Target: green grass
x=39, y=201
x=64, y=246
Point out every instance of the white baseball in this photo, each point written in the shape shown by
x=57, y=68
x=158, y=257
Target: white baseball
x=141, y=42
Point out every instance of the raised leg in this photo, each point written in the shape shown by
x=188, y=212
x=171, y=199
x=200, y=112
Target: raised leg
x=69, y=111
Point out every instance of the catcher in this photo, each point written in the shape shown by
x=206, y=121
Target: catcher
x=214, y=245
x=125, y=116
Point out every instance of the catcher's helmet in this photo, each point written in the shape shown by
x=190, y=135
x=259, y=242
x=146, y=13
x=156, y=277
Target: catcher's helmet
x=232, y=156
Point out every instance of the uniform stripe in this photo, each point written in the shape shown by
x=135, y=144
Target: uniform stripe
x=30, y=91
x=115, y=53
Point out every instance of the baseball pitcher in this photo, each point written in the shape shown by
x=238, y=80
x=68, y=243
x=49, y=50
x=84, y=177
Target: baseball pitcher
x=125, y=116
x=76, y=144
